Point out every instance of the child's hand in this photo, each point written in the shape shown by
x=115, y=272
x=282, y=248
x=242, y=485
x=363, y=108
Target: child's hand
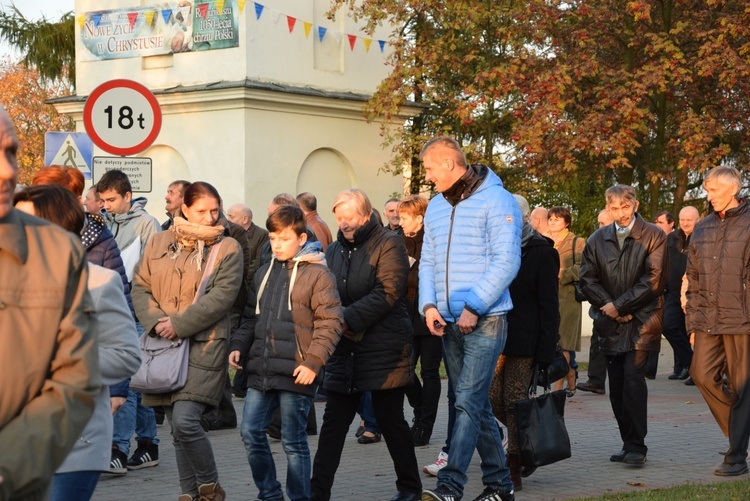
x=234, y=360
x=304, y=375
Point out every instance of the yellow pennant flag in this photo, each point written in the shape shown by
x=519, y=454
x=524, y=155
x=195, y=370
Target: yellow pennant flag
x=81, y=20
x=149, y=15
x=308, y=27
x=241, y=5
x=219, y=6
x=367, y=42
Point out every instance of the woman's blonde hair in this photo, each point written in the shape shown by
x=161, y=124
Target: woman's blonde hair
x=357, y=199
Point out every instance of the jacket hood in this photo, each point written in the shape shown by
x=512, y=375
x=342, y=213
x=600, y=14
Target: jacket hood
x=310, y=253
x=137, y=207
x=93, y=228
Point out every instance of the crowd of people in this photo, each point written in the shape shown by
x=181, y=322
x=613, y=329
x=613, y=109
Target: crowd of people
x=472, y=278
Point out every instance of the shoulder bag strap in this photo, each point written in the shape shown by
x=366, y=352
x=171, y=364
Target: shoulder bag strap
x=574, y=249
x=210, y=265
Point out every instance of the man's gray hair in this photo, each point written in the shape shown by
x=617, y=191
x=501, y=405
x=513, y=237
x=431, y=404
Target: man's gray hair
x=357, y=198
x=725, y=175
x=620, y=192
x=448, y=143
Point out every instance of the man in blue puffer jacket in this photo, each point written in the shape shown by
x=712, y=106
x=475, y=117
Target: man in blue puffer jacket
x=470, y=255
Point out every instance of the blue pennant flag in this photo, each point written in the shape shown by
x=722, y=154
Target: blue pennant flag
x=166, y=14
x=258, y=10
x=321, y=32
x=382, y=45
x=97, y=19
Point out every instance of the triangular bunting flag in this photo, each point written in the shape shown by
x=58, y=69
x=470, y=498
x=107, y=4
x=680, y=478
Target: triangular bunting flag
x=352, y=40
x=81, y=21
x=202, y=11
x=382, y=45
x=258, y=10
x=241, y=5
x=149, y=15
x=97, y=19
x=367, y=42
x=275, y=15
x=132, y=18
x=308, y=27
x=219, y=6
x=321, y=32
x=166, y=14
x=290, y=22
x=337, y=35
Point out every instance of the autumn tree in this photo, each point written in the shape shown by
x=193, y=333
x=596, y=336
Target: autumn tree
x=569, y=97
x=23, y=97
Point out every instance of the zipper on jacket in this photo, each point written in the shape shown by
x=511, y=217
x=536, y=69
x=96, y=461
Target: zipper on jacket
x=447, y=260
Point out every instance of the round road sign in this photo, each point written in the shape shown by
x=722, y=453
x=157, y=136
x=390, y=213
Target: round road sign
x=122, y=117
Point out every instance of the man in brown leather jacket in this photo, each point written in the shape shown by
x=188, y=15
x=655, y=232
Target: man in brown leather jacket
x=718, y=312
x=49, y=361
x=623, y=273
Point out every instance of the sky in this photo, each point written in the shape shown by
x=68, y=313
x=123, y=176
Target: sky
x=36, y=9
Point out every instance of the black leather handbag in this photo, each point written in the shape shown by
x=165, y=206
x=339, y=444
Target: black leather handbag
x=540, y=419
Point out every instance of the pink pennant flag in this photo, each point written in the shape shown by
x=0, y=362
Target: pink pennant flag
x=132, y=17
x=352, y=40
x=290, y=21
x=202, y=10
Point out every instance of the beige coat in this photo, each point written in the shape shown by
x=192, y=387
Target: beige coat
x=49, y=365
x=570, y=309
x=163, y=287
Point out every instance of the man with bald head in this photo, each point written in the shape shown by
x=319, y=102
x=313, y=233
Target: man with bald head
x=674, y=318
x=539, y=217
x=604, y=218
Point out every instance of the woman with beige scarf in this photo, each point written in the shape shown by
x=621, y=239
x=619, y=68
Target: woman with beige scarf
x=164, y=289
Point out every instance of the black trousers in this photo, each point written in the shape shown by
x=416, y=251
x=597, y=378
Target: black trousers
x=628, y=395
x=714, y=356
x=339, y=414
x=597, y=363
x=673, y=328
x=424, y=396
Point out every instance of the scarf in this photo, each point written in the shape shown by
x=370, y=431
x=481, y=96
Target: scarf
x=193, y=236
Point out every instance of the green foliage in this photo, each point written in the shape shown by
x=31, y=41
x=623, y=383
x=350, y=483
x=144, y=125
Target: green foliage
x=48, y=47
x=725, y=491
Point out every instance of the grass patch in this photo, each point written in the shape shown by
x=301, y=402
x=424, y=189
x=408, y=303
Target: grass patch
x=724, y=491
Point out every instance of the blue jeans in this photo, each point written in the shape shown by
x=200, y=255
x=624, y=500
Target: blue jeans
x=133, y=417
x=74, y=486
x=256, y=416
x=367, y=413
x=470, y=360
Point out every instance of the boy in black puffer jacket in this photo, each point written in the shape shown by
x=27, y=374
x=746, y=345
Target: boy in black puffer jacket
x=291, y=325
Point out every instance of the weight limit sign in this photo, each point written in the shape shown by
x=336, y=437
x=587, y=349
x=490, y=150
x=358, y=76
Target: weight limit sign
x=122, y=117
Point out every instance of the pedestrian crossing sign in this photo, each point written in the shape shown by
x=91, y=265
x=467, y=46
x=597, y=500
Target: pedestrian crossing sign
x=70, y=149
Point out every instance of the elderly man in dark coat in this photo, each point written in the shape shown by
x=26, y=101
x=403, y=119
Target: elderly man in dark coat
x=623, y=273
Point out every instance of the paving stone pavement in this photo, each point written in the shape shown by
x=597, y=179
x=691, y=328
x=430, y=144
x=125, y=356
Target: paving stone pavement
x=683, y=439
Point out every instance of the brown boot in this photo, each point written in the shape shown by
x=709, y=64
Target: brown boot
x=514, y=464
x=185, y=497
x=211, y=492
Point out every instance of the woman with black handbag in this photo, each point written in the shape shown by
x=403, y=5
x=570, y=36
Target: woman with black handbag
x=532, y=332
x=570, y=248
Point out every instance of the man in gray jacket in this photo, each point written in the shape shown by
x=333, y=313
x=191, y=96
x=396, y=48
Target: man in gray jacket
x=132, y=226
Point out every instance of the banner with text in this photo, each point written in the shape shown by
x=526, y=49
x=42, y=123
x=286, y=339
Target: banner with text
x=161, y=28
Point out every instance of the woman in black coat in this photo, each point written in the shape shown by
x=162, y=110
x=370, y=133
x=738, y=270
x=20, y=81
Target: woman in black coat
x=371, y=267
x=532, y=333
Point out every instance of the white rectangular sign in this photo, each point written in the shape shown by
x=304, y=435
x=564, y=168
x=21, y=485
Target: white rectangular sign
x=138, y=170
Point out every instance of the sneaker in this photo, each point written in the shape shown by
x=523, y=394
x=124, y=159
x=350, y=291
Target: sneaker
x=420, y=435
x=434, y=468
x=490, y=494
x=440, y=493
x=145, y=456
x=118, y=463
